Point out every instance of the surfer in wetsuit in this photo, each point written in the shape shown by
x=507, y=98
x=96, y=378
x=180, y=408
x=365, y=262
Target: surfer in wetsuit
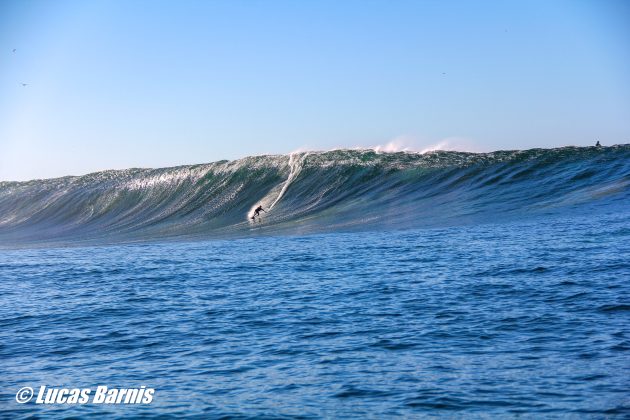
x=257, y=212
x=597, y=144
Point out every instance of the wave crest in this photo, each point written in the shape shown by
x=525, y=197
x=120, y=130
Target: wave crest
x=311, y=192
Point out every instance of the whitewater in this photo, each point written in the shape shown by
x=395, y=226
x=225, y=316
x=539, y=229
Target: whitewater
x=311, y=192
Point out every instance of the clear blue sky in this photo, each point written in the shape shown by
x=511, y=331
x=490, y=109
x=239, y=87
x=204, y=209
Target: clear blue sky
x=117, y=84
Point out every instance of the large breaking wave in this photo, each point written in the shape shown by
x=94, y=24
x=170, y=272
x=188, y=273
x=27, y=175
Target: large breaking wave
x=313, y=192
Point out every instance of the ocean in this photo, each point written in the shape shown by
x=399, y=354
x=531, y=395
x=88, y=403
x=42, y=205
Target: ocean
x=388, y=285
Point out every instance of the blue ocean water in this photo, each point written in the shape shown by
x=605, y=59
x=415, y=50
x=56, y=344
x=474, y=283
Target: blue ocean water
x=499, y=319
x=375, y=286
x=311, y=192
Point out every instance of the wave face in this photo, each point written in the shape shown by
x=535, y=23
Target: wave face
x=310, y=192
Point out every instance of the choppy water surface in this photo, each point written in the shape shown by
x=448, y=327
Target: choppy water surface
x=488, y=319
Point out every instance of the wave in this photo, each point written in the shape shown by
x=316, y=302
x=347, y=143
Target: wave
x=310, y=192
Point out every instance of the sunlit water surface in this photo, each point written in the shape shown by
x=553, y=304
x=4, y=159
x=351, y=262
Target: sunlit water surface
x=492, y=319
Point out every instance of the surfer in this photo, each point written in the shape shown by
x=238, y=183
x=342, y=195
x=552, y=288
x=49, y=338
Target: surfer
x=257, y=212
x=597, y=144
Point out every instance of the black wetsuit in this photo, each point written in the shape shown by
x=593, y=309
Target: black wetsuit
x=257, y=211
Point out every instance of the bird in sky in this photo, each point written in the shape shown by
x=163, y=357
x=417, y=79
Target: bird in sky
x=14, y=50
x=24, y=84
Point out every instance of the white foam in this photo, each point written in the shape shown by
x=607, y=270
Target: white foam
x=296, y=161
